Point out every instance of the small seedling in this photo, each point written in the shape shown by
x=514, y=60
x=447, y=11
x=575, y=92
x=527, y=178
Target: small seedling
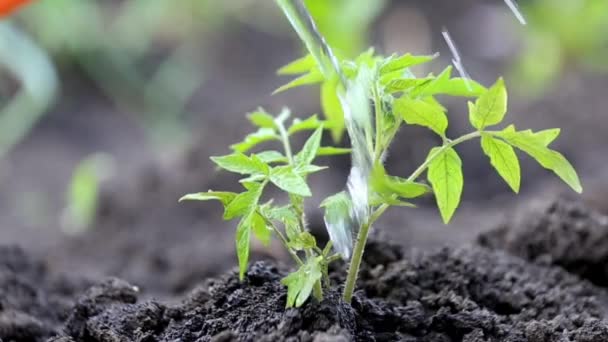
x=370, y=97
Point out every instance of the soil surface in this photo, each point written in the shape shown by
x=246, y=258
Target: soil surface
x=470, y=293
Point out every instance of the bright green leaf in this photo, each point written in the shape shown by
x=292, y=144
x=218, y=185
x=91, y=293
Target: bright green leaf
x=262, y=119
x=286, y=178
x=535, y=145
x=308, y=169
x=445, y=175
x=394, y=85
x=243, y=237
x=309, y=124
x=271, y=157
x=288, y=217
x=302, y=241
x=300, y=283
x=403, y=62
x=261, y=230
x=503, y=159
x=240, y=163
x=313, y=77
x=460, y=87
x=224, y=197
x=490, y=108
x=387, y=186
x=332, y=108
x=299, y=66
x=244, y=203
x=418, y=112
x=332, y=151
x=254, y=139
x=309, y=151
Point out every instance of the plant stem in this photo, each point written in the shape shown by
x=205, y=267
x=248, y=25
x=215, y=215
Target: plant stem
x=355, y=262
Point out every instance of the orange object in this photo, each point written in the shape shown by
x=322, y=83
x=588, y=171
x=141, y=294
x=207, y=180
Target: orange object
x=9, y=6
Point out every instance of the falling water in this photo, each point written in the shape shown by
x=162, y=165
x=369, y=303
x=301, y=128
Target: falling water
x=354, y=99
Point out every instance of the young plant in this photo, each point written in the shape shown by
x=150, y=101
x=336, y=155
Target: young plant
x=370, y=97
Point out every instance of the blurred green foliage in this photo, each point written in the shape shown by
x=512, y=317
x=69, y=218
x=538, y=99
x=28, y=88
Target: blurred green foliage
x=562, y=32
x=346, y=23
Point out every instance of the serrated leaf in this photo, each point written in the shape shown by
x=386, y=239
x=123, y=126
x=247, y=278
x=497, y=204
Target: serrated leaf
x=445, y=175
x=308, y=169
x=309, y=124
x=271, y=157
x=286, y=178
x=243, y=237
x=535, y=145
x=404, y=62
x=254, y=139
x=332, y=151
x=458, y=86
x=261, y=231
x=288, y=218
x=262, y=119
x=394, y=85
x=302, y=241
x=240, y=163
x=301, y=282
x=244, y=203
x=503, y=159
x=431, y=88
x=490, y=108
x=376, y=200
x=224, y=197
x=310, y=148
x=332, y=108
x=418, y=112
x=299, y=66
x=387, y=186
x=313, y=77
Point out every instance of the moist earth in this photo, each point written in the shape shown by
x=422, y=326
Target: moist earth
x=472, y=293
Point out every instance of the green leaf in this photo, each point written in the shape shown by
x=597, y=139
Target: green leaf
x=300, y=283
x=332, y=151
x=261, y=230
x=535, y=145
x=244, y=203
x=271, y=157
x=299, y=66
x=332, y=108
x=302, y=241
x=418, y=112
x=243, y=237
x=240, y=163
x=490, y=108
x=254, y=139
x=313, y=77
x=224, y=197
x=403, y=62
x=308, y=169
x=387, y=186
x=445, y=175
x=309, y=151
x=288, y=217
x=460, y=87
x=309, y=124
x=286, y=178
x=395, y=85
x=262, y=119
x=503, y=159
x=431, y=88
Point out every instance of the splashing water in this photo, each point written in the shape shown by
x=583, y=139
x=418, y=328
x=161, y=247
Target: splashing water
x=354, y=99
x=456, y=59
x=515, y=9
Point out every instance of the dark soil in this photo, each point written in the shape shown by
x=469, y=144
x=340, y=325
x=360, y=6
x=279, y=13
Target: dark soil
x=451, y=294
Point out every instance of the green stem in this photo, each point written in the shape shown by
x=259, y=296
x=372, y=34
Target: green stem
x=295, y=257
x=355, y=263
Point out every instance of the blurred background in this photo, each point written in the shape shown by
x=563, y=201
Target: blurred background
x=110, y=109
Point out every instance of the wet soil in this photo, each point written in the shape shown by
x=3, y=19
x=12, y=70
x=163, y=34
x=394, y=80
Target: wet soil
x=469, y=293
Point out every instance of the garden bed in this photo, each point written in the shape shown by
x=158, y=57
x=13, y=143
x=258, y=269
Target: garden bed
x=470, y=293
